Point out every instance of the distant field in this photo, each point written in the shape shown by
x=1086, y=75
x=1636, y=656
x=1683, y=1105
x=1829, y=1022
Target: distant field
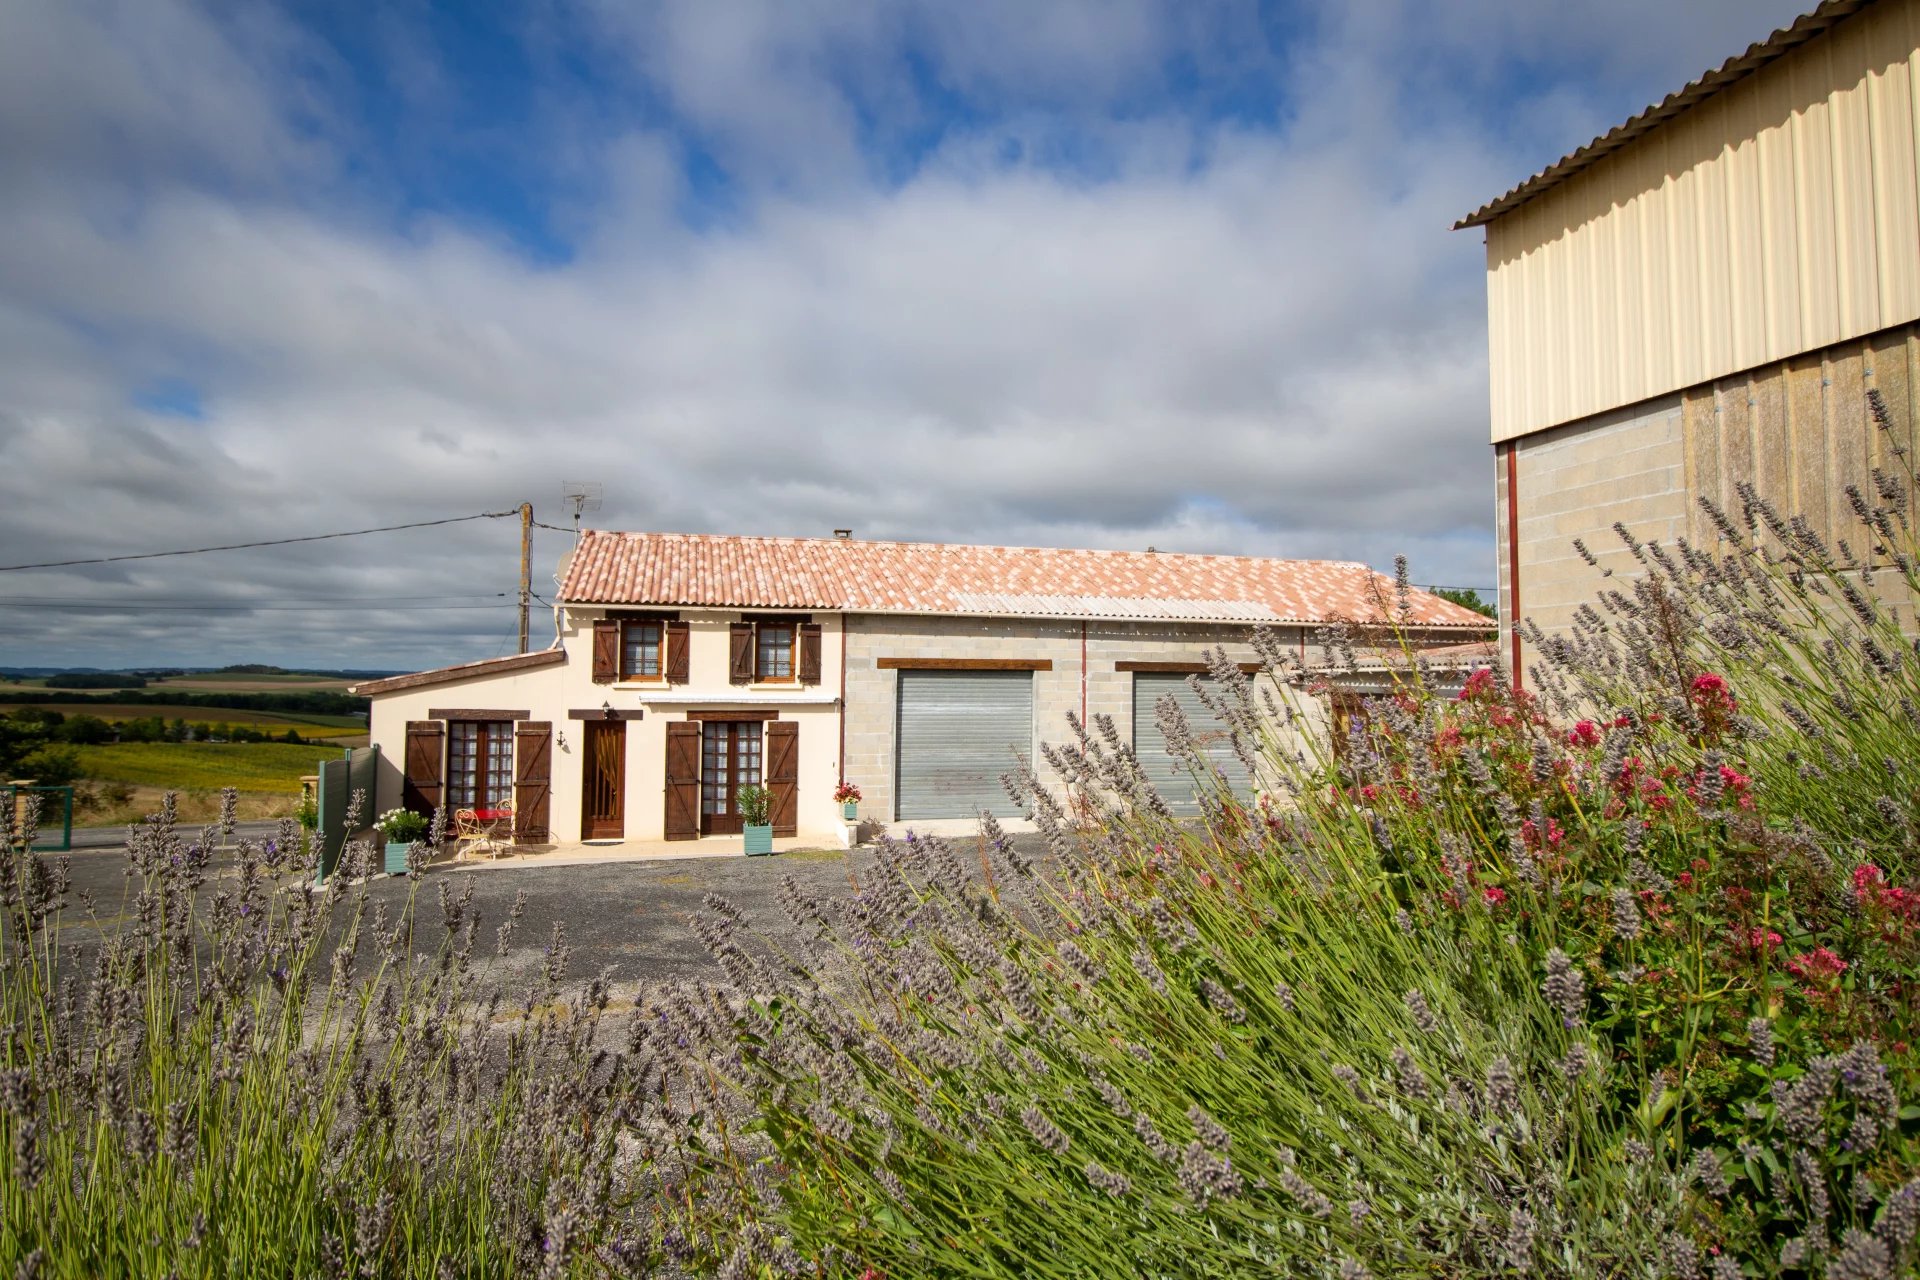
x=190, y=766
x=322, y=726
x=214, y=682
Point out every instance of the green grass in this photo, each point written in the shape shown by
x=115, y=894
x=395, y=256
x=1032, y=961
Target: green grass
x=190, y=766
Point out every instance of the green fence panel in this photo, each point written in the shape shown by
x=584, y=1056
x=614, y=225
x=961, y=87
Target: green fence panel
x=335, y=778
x=353, y=774
x=56, y=804
x=363, y=765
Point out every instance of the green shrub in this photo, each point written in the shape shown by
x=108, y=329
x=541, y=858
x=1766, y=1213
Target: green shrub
x=51, y=766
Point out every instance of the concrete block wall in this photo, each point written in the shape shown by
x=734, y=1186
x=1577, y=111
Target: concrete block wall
x=1797, y=430
x=1574, y=482
x=1092, y=688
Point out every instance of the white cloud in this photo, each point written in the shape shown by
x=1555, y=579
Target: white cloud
x=1221, y=337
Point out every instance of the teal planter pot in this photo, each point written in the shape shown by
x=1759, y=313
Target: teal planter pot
x=397, y=856
x=850, y=810
x=759, y=839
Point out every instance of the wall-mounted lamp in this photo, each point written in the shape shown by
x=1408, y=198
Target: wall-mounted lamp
x=606, y=709
x=560, y=738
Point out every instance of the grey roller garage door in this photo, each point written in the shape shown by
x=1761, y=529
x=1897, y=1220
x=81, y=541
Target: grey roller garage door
x=957, y=733
x=1170, y=777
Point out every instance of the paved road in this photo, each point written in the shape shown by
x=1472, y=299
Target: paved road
x=116, y=837
x=631, y=915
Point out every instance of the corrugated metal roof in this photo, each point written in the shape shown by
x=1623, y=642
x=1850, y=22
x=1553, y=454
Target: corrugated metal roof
x=1731, y=71
x=849, y=576
x=1036, y=606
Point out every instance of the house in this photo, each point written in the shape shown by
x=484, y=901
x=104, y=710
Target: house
x=1701, y=299
x=689, y=665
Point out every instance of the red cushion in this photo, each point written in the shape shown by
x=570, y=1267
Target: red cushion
x=492, y=815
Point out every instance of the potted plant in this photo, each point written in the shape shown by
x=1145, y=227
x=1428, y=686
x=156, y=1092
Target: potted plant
x=402, y=829
x=756, y=817
x=847, y=796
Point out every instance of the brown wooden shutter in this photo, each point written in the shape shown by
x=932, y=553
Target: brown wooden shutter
x=678, y=658
x=809, y=642
x=425, y=788
x=532, y=780
x=783, y=775
x=740, y=653
x=683, y=780
x=606, y=651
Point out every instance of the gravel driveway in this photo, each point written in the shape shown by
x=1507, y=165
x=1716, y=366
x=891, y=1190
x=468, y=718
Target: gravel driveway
x=628, y=915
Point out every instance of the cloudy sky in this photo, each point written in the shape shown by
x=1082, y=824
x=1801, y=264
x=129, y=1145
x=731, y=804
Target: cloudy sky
x=1047, y=272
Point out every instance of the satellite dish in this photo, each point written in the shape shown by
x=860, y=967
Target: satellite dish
x=581, y=495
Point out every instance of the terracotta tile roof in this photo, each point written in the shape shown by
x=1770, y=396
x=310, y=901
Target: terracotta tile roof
x=851, y=576
x=441, y=675
x=1730, y=72
x=1464, y=656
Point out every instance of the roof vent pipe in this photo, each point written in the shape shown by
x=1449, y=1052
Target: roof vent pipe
x=843, y=534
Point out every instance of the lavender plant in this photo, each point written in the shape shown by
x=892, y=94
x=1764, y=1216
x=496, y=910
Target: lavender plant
x=1559, y=998
x=253, y=1075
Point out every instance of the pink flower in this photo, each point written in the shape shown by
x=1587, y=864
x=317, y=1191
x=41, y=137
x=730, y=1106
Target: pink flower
x=1767, y=941
x=1478, y=684
x=1818, y=964
x=1584, y=734
x=1494, y=895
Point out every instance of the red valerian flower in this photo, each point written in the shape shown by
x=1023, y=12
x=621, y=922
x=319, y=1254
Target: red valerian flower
x=1710, y=690
x=1534, y=838
x=1494, y=895
x=1584, y=734
x=1478, y=685
x=1819, y=965
x=1767, y=941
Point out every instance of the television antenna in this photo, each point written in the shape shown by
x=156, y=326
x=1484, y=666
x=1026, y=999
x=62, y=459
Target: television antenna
x=581, y=495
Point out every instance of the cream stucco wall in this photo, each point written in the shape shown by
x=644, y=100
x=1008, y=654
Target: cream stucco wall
x=537, y=691
x=553, y=693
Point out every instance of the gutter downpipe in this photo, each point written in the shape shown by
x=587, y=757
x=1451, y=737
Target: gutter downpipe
x=842, y=765
x=1083, y=674
x=1513, y=556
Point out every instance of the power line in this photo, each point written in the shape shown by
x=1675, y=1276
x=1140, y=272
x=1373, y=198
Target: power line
x=230, y=602
x=270, y=542
x=246, y=608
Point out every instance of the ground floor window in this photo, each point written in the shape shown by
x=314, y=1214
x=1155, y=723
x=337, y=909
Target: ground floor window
x=479, y=764
x=730, y=760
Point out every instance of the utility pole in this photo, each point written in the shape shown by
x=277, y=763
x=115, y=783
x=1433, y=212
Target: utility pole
x=526, y=568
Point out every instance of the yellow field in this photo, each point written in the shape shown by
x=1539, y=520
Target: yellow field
x=309, y=726
x=214, y=683
x=274, y=767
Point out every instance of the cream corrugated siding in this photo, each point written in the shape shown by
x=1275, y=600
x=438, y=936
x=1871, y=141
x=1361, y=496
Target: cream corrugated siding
x=1777, y=217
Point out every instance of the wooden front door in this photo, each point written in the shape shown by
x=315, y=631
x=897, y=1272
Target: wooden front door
x=603, y=810
x=729, y=760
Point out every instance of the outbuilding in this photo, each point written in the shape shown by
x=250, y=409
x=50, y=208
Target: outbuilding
x=1701, y=299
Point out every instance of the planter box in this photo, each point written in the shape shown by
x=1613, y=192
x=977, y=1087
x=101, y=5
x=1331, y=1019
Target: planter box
x=758, y=839
x=850, y=810
x=397, y=856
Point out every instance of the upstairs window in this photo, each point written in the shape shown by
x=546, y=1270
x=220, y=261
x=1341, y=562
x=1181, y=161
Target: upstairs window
x=641, y=650
x=774, y=652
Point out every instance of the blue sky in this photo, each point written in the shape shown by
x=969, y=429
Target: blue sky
x=1116, y=274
